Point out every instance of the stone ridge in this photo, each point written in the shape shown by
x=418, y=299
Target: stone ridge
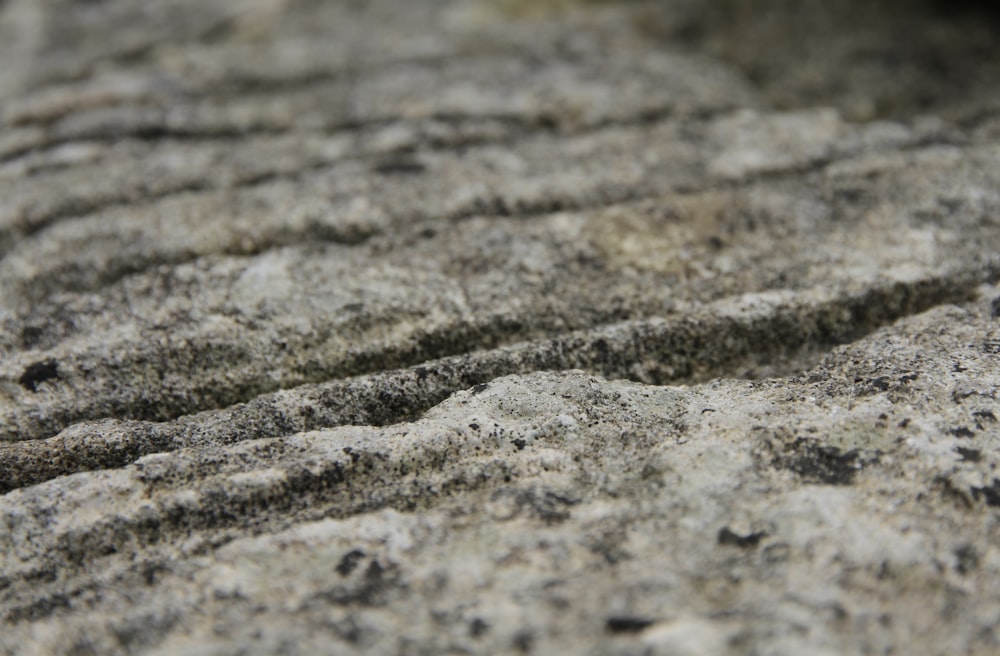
x=498, y=327
x=878, y=462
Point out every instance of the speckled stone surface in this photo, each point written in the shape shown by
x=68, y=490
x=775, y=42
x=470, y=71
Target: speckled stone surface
x=434, y=326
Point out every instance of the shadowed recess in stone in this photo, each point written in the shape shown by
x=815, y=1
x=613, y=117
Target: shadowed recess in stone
x=775, y=333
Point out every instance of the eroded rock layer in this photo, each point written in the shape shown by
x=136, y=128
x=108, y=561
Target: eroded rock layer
x=485, y=327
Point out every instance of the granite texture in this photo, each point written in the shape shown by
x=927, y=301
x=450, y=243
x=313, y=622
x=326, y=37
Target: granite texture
x=439, y=326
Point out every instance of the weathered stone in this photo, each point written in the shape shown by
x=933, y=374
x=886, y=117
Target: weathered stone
x=552, y=327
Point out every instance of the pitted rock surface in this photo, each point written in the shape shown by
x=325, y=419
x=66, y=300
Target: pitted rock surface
x=499, y=327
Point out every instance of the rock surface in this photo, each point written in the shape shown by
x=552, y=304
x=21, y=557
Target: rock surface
x=483, y=327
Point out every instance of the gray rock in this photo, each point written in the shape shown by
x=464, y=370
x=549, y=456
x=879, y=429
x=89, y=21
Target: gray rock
x=486, y=327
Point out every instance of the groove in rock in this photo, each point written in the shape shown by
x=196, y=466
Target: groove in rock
x=719, y=342
x=518, y=130
x=67, y=278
